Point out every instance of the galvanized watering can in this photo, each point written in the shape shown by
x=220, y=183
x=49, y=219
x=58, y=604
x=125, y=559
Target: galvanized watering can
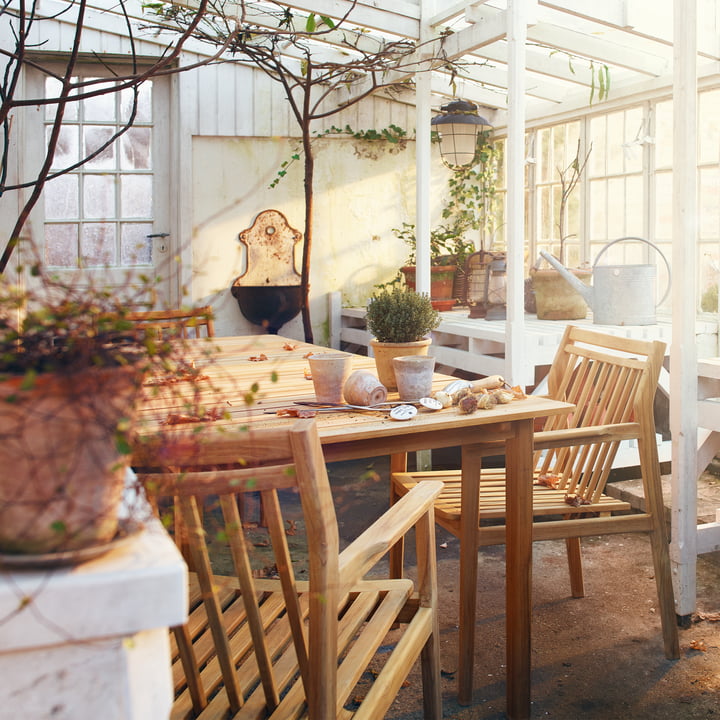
x=620, y=294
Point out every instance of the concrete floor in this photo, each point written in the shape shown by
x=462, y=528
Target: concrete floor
x=596, y=658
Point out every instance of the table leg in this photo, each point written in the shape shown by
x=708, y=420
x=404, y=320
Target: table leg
x=469, y=504
x=518, y=586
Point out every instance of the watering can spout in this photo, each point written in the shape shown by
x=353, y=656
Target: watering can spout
x=585, y=290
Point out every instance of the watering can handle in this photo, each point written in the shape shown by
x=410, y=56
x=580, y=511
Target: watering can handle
x=653, y=246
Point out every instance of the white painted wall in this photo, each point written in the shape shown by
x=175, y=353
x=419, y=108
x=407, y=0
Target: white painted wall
x=357, y=203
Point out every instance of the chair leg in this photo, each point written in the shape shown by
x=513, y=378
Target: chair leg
x=666, y=595
x=574, y=555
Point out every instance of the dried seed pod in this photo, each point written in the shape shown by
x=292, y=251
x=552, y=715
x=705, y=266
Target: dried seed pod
x=443, y=397
x=486, y=401
x=460, y=394
x=467, y=404
x=503, y=396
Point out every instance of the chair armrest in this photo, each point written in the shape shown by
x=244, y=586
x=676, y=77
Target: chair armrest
x=546, y=439
x=364, y=552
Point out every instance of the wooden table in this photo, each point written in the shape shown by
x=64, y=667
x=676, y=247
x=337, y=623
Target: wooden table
x=278, y=367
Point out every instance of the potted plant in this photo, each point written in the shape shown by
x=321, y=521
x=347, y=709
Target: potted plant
x=552, y=297
x=448, y=253
x=71, y=371
x=400, y=321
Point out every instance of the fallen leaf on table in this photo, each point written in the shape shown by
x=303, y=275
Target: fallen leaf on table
x=181, y=419
x=289, y=346
x=307, y=374
x=698, y=645
x=258, y=358
x=296, y=413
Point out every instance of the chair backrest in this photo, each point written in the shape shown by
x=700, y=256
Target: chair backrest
x=612, y=382
x=183, y=323
x=286, y=466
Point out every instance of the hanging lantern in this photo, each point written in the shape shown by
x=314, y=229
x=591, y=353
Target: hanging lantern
x=458, y=127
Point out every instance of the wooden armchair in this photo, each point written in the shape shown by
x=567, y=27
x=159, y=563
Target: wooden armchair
x=612, y=383
x=262, y=643
x=185, y=323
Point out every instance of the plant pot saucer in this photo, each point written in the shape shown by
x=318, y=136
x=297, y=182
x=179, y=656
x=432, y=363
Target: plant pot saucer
x=443, y=305
x=128, y=529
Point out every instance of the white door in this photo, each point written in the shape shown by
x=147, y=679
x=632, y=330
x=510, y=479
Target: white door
x=106, y=222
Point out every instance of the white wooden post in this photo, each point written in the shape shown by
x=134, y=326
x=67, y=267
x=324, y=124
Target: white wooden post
x=683, y=355
x=516, y=366
x=422, y=161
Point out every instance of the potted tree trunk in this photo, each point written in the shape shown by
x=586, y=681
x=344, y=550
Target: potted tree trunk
x=400, y=321
x=552, y=297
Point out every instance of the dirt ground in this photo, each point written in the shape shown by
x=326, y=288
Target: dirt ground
x=596, y=658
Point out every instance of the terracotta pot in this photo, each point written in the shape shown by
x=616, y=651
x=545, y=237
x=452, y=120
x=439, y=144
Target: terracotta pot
x=442, y=278
x=555, y=298
x=329, y=372
x=60, y=437
x=385, y=352
x=414, y=376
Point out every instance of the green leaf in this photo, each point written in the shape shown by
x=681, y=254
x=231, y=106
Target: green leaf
x=328, y=21
x=310, y=24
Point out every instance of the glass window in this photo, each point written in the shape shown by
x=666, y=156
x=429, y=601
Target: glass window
x=88, y=211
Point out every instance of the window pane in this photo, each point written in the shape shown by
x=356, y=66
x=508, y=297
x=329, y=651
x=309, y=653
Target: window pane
x=94, y=138
x=136, y=149
x=99, y=196
x=61, y=198
x=615, y=132
x=135, y=246
x=663, y=134
x=634, y=206
x=634, y=133
x=97, y=244
x=616, y=207
x=663, y=206
x=67, y=150
x=596, y=164
x=136, y=196
x=709, y=224
x=61, y=245
x=144, y=103
x=598, y=209
x=709, y=125
x=53, y=88
x=100, y=108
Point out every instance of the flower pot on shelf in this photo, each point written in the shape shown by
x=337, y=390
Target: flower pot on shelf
x=442, y=279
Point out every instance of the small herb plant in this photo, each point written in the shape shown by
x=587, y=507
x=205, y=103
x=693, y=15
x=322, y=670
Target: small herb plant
x=396, y=315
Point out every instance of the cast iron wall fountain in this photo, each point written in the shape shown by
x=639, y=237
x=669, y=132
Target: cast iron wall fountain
x=269, y=292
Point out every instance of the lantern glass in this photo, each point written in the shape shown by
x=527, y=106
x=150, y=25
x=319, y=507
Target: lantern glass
x=496, y=290
x=458, y=144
